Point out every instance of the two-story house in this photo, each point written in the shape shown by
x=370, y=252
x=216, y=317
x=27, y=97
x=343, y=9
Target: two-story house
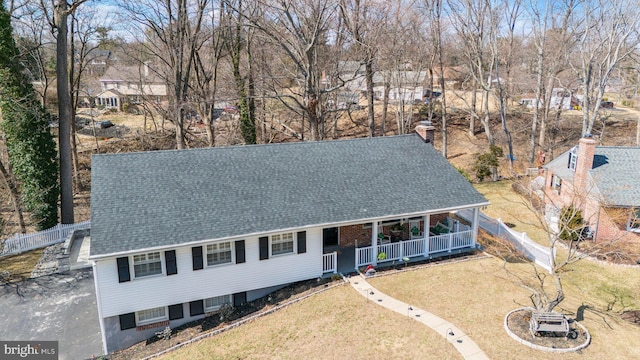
x=603, y=183
x=133, y=84
x=177, y=234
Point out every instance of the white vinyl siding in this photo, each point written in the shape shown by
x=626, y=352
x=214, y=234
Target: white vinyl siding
x=219, y=253
x=282, y=244
x=214, y=303
x=150, y=316
x=147, y=264
x=188, y=285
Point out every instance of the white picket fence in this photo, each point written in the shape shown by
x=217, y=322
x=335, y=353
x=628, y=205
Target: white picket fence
x=535, y=252
x=24, y=242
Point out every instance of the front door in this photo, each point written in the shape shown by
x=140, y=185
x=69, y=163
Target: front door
x=330, y=237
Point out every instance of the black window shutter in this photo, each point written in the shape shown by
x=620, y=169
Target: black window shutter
x=127, y=321
x=170, y=262
x=302, y=242
x=264, y=248
x=239, y=298
x=240, y=252
x=196, y=307
x=196, y=253
x=123, y=270
x=175, y=312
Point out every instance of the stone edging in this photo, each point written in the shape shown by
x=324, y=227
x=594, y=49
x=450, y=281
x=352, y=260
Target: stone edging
x=544, y=348
x=243, y=321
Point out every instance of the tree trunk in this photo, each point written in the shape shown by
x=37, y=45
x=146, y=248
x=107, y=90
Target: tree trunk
x=15, y=196
x=474, y=100
x=371, y=112
x=536, y=111
x=64, y=115
x=385, y=107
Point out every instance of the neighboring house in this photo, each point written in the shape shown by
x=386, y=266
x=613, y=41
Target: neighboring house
x=561, y=98
x=122, y=84
x=177, y=234
x=602, y=181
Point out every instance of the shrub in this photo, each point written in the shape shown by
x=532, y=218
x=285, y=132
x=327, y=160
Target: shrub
x=487, y=163
x=572, y=225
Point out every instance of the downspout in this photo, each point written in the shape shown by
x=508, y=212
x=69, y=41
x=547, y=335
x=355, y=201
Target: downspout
x=103, y=334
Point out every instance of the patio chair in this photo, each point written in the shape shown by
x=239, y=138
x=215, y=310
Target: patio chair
x=385, y=240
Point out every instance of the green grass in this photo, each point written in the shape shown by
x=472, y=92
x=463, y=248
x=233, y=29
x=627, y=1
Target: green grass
x=512, y=208
x=474, y=295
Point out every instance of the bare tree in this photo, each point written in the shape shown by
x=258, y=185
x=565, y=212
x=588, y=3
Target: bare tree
x=301, y=30
x=607, y=34
x=171, y=33
x=57, y=13
x=471, y=20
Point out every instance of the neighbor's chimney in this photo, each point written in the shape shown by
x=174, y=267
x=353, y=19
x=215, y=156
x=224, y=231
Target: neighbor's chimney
x=426, y=131
x=586, y=151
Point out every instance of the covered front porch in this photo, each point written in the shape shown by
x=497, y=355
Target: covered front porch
x=403, y=239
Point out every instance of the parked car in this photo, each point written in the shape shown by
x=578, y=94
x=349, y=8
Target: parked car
x=231, y=109
x=606, y=104
x=105, y=124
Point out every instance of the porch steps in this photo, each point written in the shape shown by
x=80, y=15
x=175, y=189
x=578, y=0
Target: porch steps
x=463, y=343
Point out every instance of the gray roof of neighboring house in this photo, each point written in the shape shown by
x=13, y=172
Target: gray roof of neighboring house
x=131, y=73
x=160, y=198
x=615, y=172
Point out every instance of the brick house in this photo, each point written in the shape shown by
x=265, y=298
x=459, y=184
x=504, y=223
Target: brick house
x=603, y=182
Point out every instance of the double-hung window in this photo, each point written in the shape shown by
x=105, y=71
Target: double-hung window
x=151, y=315
x=573, y=158
x=219, y=253
x=215, y=303
x=147, y=264
x=282, y=243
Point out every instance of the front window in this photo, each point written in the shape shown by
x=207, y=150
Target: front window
x=219, y=253
x=147, y=264
x=634, y=220
x=151, y=315
x=282, y=244
x=214, y=303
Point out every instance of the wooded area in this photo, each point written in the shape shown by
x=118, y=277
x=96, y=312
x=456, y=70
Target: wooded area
x=291, y=69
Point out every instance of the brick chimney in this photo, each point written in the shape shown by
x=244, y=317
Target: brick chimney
x=426, y=131
x=586, y=151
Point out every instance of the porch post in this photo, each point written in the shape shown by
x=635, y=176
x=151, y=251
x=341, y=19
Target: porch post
x=425, y=232
x=374, y=243
x=474, y=235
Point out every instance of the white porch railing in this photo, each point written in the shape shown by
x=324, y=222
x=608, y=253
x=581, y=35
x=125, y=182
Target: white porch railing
x=25, y=242
x=330, y=262
x=416, y=247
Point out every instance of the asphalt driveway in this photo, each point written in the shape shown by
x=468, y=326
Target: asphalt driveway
x=58, y=307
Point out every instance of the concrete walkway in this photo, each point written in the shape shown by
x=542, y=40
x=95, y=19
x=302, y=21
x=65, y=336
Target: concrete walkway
x=465, y=346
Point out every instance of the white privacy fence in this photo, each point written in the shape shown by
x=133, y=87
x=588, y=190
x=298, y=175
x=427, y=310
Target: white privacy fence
x=535, y=252
x=25, y=242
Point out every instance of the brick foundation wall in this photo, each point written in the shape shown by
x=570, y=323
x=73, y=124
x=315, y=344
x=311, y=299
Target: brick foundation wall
x=608, y=230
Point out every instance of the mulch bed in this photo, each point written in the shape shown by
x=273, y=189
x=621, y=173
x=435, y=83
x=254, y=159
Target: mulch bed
x=518, y=323
x=209, y=323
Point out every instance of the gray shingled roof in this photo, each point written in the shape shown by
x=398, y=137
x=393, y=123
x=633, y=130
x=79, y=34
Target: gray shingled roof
x=150, y=199
x=615, y=173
